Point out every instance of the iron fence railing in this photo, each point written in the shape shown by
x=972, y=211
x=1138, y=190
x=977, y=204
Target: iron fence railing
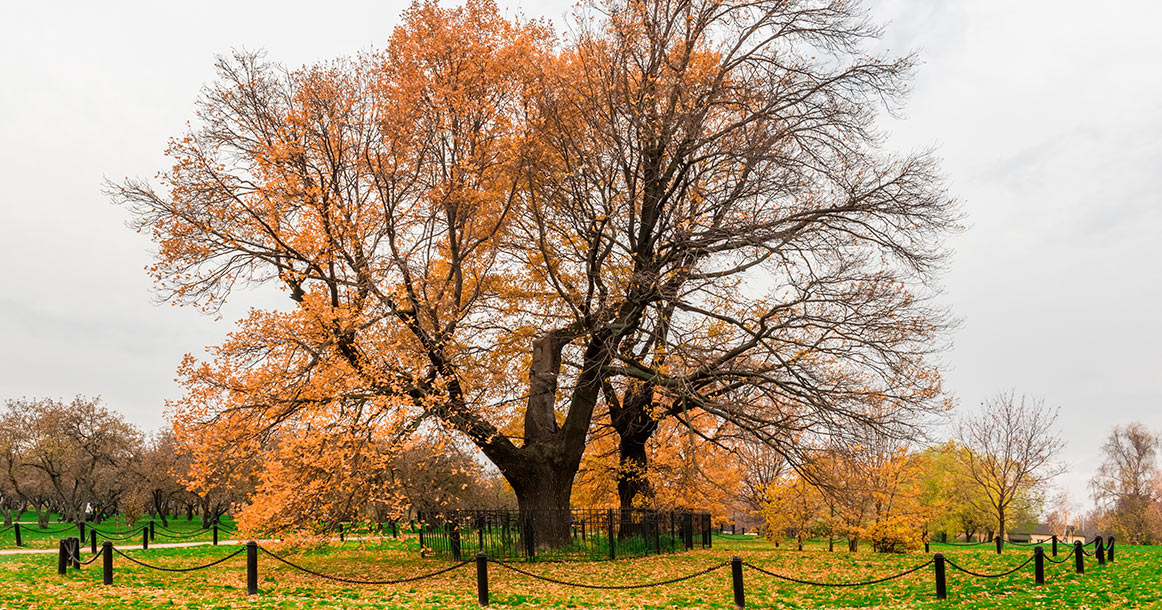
x=578, y=533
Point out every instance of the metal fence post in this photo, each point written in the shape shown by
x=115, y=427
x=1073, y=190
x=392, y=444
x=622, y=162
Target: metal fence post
x=1054, y=539
x=107, y=563
x=215, y=531
x=93, y=541
x=941, y=584
x=81, y=529
x=529, y=539
x=736, y=580
x=19, y=542
x=1039, y=565
x=144, y=538
x=999, y=543
x=61, y=566
x=612, y=537
x=152, y=531
x=482, y=579
x=1099, y=551
x=252, y=568
x=454, y=540
x=1110, y=550
x=1078, y=557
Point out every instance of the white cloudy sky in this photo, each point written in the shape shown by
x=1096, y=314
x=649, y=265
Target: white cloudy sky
x=1048, y=115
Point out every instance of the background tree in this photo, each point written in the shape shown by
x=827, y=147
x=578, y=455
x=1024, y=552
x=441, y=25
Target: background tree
x=483, y=235
x=1063, y=518
x=794, y=507
x=1011, y=449
x=1126, y=485
x=160, y=468
x=954, y=508
x=66, y=456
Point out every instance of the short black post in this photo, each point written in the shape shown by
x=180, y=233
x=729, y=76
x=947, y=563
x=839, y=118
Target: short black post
x=1054, y=545
x=1039, y=565
x=215, y=531
x=76, y=554
x=252, y=568
x=482, y=579
x=941, y=586
x=394, y=530
x=107, y=562
x=61, y=566
x=454, y=541
x=1079, y=557
x=144, y=538
x=998, y=541
x=1099, y=551
x=736, y=580
x=1110, y=550
x=925, y=547
x=81, y=529
x=93, y=541
x=152, y=531
x=19, y=542
x=612, y=538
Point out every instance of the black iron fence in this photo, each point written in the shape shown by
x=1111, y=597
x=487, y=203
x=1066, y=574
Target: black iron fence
x=578, y=533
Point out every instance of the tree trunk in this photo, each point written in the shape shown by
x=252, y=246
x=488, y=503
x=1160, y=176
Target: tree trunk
x=543, y=500
x=631, y=420
x=541, y=471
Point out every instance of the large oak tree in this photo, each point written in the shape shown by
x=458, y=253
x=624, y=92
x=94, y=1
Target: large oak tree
x=484, y=232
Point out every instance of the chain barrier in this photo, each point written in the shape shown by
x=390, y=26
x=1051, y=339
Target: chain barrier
x=184, y=536
x=127, y=536
x=979, y=575
x=581, y=585
x=74, y=559
x=356, y=581
x=164, y=569
x=7, y=528
x=1062, y=560
x=840, y=584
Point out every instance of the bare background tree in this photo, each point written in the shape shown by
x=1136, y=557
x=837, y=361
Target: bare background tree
x=1127, y=485
x=1012, y=451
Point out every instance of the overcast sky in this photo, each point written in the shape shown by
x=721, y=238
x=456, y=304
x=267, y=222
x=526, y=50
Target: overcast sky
x=1048, y=116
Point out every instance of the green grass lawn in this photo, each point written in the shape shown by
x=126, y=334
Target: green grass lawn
x=1133, y=581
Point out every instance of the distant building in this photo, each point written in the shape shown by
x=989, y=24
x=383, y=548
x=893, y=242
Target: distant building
x=1042, y=533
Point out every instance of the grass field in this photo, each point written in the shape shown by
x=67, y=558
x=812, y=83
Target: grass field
x=1133, y=581
x=124, y=534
